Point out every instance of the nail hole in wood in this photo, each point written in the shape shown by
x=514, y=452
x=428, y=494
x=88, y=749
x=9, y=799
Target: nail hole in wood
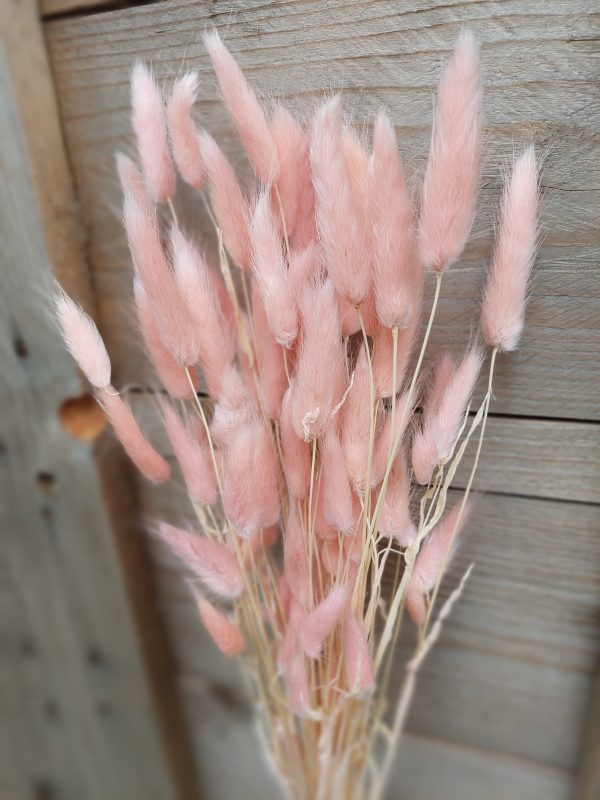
x=21, y=349
x=82, y=417
x=45, y=480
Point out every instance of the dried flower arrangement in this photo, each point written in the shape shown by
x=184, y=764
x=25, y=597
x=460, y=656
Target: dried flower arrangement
x=303, y=463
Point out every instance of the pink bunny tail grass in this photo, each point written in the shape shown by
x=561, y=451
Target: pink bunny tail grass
x=296, y=679
x=398, y=276
x=244, y=108
x=227, y=200
x=132, y=181
x=149, y=125
x=356, y=424
x=382, y=358
x=171, y=374
x=296, y=453
x=319, y=360
x=182, y=131
x=442, y=375
x=271, y=272
x=295, y=560
x=395, y=520
x=213, y=563
x=357, y=657
x=269, y=356
x=338, y=505
x=452, y=175
x=251, y=502
x=150, y=463
x=388, y=436
x=320, y=622
x=233, y=410
x=176, y=328
x=436, y=552
x=294, y=182
x=503, y=311
x=216, y=345
x=224, y=633
x=341, y=232
x=192, y=455
x=83, y=340
x=304, y=267
x=434, y=443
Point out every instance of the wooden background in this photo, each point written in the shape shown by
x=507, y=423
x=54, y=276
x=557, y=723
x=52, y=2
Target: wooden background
x=109, y=687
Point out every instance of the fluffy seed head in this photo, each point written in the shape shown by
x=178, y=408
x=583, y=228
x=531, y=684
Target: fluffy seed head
x=83, y=340
x=224, y=633
x=503, y=310
x=318, y=623
x=182, y=131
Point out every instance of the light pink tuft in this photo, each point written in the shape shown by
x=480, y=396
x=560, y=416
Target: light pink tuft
x=337, y=495
x=234, y=408
x=171, y=374
x=149, y=125
x=294, y=182
x=271, y=273
x=224, y=633
x=397, y=275
x=296, y=679
x=438, y=548
x=357, y=657
x=132, y=181
x=192, y=274
x=320, y=359
x=212, y=562
x=83, y=340
x=295, y=560
x=395, y=520
x=356, y=423
x=193, y=457
x=269, y=357
x=434, y=443
x=342, y=231
x=503, y=311
x=442, y=375
x=182, y=131
x=452, y=176
x=227, y=200
x=175, y=325
x=388, y=436
x=319, y=623
x=296, y=453
x=245, y=109
x=251, y=479
x=138, y=448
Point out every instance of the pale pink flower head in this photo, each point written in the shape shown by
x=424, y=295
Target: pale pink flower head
x=83, y=340
x=434, y=444
x=273, y=381
x=234, y=407
x=317, y=624
x=319, y=361
x=271, y=271
x=451, y=178
x=149, y=125
x=150, y=463
x=357, y=657
x=338, y=505
x=342, y=231
x=296, y=453
x=251, y=479
x=171, y=374
x=228, y=203
x=398, y=276
x=132, y=180
x=192, y=455
x=212, y=562
x=295, y=560
x=182, y=131
x=435, y=553
x=356, y=424
x=244, y=108
x=503, y=310
x=224, y=633
x=395, y=519
x=382, y=358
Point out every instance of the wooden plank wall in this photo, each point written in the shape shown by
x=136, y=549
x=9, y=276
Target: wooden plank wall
x=502, y=703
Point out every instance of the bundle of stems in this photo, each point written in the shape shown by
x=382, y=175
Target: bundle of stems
x=316, y=442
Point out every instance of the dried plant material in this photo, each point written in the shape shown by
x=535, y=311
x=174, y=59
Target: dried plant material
x=312, y=345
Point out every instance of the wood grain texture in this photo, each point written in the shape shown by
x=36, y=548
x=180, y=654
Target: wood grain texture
x=80, y=716
x=510, y=676
x=540, y=68
x=51, y=8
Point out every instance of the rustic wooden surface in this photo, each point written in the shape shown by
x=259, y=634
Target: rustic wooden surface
x=501, y=703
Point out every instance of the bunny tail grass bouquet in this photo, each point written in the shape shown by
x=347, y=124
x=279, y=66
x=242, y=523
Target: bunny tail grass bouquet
x=321, y=456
